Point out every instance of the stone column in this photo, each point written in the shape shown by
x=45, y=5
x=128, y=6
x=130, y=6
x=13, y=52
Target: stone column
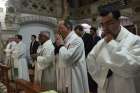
x=136, y=14
x=66, y=9
x=12, y=15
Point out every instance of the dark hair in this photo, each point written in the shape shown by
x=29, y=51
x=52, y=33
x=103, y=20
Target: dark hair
x=34, y=36
x=68, y=24
x=106, y=9
x=93, y=28
x=79, y=27
x=19, y=37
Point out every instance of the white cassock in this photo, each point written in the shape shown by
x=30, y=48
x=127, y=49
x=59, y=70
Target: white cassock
x=20, y=61
x=8, y=50
x=122, y=56
x=72, y=71
x=45, y=73
x=9, y=60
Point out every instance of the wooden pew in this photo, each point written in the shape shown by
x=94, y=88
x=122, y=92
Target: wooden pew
x=27, y=87
x=4, y=76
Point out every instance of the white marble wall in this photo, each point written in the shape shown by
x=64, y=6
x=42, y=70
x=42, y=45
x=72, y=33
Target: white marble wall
x=3, y=13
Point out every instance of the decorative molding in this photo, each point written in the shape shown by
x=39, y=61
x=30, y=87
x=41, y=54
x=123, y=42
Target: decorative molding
x=51, y=8
x=81, y=13
x=39, y=19
x=10, y=21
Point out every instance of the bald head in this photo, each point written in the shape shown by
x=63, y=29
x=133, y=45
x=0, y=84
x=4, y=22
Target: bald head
x=44, y=36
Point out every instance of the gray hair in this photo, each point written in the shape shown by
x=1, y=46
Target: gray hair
x=45, y=33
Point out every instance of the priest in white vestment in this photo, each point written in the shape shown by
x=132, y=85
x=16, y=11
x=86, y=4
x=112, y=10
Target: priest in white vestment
x=9, y=61
x=117, y=53
x=20, y=60
x=45, y=68
x=9, y=49
x=71, y=70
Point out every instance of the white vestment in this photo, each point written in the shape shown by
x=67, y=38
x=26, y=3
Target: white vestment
x=122, y=56
x=8, y=50
x=44, y=68
x=20, y=60
x=71, y=70
x=8, y=59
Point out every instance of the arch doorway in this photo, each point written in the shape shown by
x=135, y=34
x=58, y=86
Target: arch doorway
x=28, y=29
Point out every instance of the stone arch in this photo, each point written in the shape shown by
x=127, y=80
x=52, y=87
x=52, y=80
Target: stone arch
x=27, y=19
x=30, y=24
x=38, y=19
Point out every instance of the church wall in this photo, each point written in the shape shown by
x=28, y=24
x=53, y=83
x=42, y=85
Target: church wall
x=2, y=14
x=29, y=29
x=136, y=14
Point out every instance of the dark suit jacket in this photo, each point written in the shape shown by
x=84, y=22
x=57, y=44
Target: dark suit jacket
x=34, y=47
x=89, y=42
